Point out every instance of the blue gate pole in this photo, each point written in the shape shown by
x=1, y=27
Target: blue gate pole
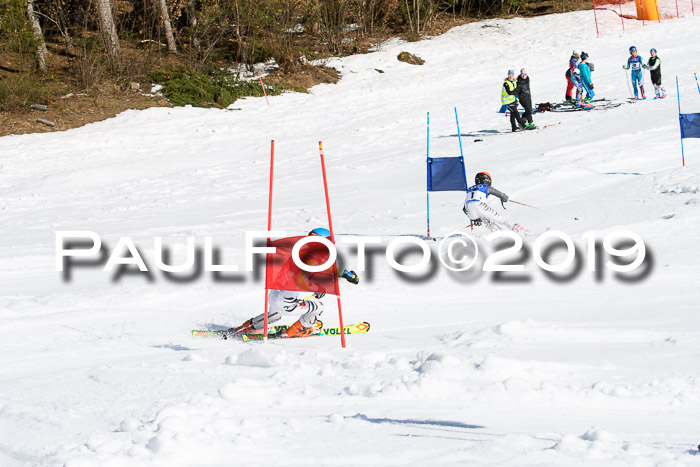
x=696, y=81
x=680, y=120
x=427, y=166
x=459, y=136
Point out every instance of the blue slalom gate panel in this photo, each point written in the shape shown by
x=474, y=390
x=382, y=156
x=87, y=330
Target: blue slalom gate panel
x=690, y=125
x=446, y=174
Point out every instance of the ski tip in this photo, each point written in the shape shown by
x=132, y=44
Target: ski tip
x=202, y=333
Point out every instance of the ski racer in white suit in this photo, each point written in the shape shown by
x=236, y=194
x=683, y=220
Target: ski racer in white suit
x=477, y=208
x=287, y=303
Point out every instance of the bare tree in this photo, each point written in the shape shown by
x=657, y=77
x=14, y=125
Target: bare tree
x=109, y=31
x=41, y=51
x=333, y=15
x=192, y=21
x=162, y=8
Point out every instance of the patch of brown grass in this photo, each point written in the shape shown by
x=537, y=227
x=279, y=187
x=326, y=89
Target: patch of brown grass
x=76, y=110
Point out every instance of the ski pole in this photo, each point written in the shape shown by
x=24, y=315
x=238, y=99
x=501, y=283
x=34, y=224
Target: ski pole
x=545, y=210
x=627, y=78
x=696, y=81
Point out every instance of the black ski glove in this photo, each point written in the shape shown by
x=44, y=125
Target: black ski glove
x=319, y=295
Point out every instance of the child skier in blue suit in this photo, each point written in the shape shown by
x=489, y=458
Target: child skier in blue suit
x=585, y=73
x=635, y=63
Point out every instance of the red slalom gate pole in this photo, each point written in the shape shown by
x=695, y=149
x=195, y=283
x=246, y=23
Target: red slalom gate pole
x=595, y=16
x=619, y=5
x=330, y=227
x=264, y=92
x=269, y=227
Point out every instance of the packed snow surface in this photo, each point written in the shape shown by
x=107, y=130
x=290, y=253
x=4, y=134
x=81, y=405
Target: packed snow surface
x=596, y=368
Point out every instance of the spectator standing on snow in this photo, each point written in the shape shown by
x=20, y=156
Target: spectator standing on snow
x=585, y=73
x=525, y=97
x=579, y=91
x=570, y=85
x=509, y=92
x=654, y=67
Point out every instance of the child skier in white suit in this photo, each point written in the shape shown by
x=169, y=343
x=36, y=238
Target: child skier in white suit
x=477, y=208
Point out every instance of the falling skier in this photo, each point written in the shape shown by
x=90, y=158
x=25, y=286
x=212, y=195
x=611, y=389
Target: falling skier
x=476, y=206
x=292, y=303
x=635, y=63
x=654, y=67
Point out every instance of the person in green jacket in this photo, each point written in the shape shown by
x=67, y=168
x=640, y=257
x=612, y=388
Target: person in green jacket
x=509, y=91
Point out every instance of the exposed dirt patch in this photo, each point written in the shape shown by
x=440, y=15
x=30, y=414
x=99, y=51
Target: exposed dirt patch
x=304, y=77
x=76, y=110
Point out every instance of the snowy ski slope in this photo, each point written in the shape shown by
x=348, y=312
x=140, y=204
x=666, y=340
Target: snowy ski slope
x=457, y=369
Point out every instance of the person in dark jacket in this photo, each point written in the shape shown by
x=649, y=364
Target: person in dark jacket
x=509, y=93
x=654, y=67
x=525, y=98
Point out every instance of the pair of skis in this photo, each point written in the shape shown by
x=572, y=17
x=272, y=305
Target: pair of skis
x=275, y=332
x=603, y=106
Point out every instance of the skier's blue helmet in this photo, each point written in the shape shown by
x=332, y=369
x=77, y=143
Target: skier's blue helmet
x=321, y=232
x=653, y=50
x=633, y=49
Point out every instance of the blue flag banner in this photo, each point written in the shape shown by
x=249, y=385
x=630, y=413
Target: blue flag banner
x=690, y=125
x=446, y=174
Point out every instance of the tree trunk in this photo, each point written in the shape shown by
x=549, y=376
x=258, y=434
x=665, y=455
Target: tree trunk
x=38, y=36
x=109, y=31
x=62, y=24
x=192, y=20
x=167, y=27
